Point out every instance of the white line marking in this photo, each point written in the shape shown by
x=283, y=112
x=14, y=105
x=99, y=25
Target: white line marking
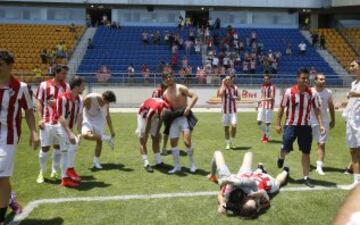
x=34, y=204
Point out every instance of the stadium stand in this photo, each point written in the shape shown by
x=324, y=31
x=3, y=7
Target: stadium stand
x=117, y=48
x=337, y=46
x=354, y=36
x=26, y=41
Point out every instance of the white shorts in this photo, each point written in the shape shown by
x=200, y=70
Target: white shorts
x=179, y=125
x=97, y=128
x=265, y=115
x=229, y=119
x=48, y=135
x=140, y=130
x=7, y=160
x=320, y=138
x=353, y=133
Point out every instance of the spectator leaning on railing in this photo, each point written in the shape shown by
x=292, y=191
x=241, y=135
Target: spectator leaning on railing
x=103, y=74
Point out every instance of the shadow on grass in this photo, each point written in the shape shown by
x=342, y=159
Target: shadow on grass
x=241, y=148
x=329, y=169
x=112, y=166
x=165, y=168
x=199, y=172
x=53, y=221
x=315, y=182
x=85, y=186
x=275, y=142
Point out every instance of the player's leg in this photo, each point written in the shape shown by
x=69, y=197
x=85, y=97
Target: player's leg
x=188, y=143
x=46, y=139
x=98, y=149
x=288, y=140
x=218, y=165
x=156, y=139
x=355, y=157
x=233, y=127
x=226, y=122
x=260, y=122
x=71, y=172
x=5, y=190
x=304, y=135
x=268, y=120
x=246, y=163
x=174, y=135
x=55, y=167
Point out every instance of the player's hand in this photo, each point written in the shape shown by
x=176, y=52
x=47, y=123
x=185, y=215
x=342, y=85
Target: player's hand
x=72, y=139
x=221, y=209
x=41, y=125
x=322, y=130
x=52, y=102
x=278, y=129
x=186, y=112
x=352, y=94
x=332, y=124
x=34, y=140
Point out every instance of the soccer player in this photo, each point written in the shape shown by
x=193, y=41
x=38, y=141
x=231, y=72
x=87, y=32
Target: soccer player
x=351, y=115
x=266, y=107
x=14, y=96
x=255, y=186
x=176, y=95
x=326, y=103
x=46, y=96
x=95, y=114
x=158, y=93
x=229, y=95
x=69, y=114
x=298, y=101
x=149, y=120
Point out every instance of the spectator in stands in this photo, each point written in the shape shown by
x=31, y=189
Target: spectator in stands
x=201, y=75
x=322, y=42
x=61, y=49
x=72, y=28
x=312, y=74
x=217, y=24
x=188, y=76
x=302, y=48
x=38, y=72
x=253, y=66
x=131, y=73
x=51, y=70
x=246, y=67
x=103, y=74
x=160, y=68
x=44, y=56
x=185, y=62
x=52, y=55
x=288, y=50
x=266, y=64
x=197, y=46
x=115, y=25
x=90, y=44
x=260, y=47
x=145, y=71
x=88, y=20
x=253, y=37
x=174, y=49
x=274, y=67
x=188, y=46
x=182, y=74
x=277, y=56
x=174, y=59
x=215, y=61
x=145, y=37
x=191, y=35
x=157, y=37
x=166, y=37
x=181, y=22
x=314, y=39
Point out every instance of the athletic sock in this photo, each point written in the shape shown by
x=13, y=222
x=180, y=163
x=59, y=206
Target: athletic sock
x=176, y=157
x=190, y=153
x=319, y=164
x=42, y=160
x=145, y=159
x=56, y=157
x=72, y=155
x=64, y=163
x=158, y=158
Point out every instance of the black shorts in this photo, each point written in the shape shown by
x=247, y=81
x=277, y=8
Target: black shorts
x=303, y=134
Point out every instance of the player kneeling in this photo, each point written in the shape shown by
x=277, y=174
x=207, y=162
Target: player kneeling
x=149, y=120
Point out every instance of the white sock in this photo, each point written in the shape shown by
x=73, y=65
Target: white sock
x=190, y=153
x=105, y=138
x=319, y=164
x=145, y=159
x=64, y=163
x=42, y=160
x=262, y=128
x=72, y=155
x=356, y=178
x=158, y=158
x=228, y=142
x=96, y=159
x=267, y=130
x=176, y=157
x=56, y=155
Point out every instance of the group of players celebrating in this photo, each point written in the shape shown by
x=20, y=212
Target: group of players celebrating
x=60, y=108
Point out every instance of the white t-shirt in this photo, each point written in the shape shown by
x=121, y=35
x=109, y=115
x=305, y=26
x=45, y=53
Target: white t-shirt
x=325, y=96
x=302, y=47
x=352, y=110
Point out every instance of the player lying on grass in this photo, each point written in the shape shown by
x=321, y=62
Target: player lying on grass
x=247, y=192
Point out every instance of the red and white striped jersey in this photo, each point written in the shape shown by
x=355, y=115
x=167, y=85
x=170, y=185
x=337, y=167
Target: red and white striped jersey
x=298, y=105
x=69, y=107
x=263, y=181
x=48, y=91
x=152, y=106
x=229, y=99
x=12, y=98
x=267, y=91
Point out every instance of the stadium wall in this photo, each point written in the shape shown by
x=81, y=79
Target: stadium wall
x=134, y=96
x=42, y=15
